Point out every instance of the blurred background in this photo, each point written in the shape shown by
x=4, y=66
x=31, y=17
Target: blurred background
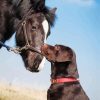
x=77, y=26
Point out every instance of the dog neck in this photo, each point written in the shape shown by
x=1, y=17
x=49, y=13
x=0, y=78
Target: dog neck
x=63, y=69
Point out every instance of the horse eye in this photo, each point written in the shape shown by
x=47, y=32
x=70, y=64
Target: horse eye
x=33, y=28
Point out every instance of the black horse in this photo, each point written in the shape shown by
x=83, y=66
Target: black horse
x=30, y=17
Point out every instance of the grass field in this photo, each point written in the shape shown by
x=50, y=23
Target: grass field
x=9, y=92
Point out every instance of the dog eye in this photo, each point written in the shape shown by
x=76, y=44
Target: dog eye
x=33, y=28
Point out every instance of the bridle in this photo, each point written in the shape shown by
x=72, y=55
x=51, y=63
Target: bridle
x=27, y=46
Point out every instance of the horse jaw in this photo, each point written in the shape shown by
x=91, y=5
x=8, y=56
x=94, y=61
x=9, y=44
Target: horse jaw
x=46, y=29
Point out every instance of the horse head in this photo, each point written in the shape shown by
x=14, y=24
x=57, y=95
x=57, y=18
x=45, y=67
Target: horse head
x=30, y=17
x=37, y=28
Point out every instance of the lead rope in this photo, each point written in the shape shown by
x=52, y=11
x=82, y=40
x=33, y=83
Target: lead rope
x=15, y=50
x=18, y=50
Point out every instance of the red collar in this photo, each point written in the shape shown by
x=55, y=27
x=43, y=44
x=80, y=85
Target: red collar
x=62, y=80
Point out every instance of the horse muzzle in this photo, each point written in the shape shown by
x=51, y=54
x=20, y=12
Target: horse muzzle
x=35, y=65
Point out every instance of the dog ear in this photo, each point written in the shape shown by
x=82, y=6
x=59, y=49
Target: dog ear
x=63, y=54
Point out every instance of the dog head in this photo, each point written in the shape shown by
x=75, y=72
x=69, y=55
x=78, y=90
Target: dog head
x=57, y=53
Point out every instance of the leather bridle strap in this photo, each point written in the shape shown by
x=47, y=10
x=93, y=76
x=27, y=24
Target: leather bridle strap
x=25, y=32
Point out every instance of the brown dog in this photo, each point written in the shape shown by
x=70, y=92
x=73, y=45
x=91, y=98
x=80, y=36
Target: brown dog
x=64, y=74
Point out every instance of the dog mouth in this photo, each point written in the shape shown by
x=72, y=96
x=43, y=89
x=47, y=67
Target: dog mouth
x=44, y=49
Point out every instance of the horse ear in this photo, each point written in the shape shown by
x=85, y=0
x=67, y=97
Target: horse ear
x=51, y=16
x=53, y=10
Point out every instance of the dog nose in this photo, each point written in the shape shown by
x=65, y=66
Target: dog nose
x=44, y=47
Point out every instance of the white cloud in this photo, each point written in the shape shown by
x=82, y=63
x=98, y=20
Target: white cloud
x=81, y=2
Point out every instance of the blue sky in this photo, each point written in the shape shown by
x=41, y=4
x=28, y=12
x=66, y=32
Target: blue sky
x=77, y=26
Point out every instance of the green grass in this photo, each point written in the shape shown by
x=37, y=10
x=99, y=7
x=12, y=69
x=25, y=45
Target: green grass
x=8, y=92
